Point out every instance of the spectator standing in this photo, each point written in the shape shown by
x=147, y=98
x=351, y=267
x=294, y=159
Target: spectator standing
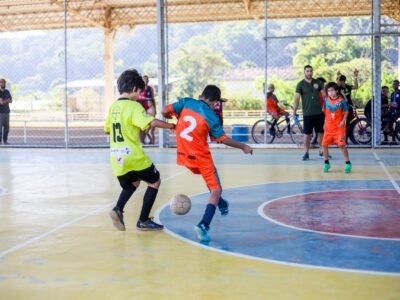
x=309, y=90
x=146, y=98
x=219, y=110
x=345, y=90
x=5, y=100
x=314, y=141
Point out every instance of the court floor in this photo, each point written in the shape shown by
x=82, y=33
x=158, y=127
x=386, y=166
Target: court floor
x=293, y=232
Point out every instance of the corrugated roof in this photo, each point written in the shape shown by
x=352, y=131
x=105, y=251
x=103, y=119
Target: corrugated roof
x=111, y=14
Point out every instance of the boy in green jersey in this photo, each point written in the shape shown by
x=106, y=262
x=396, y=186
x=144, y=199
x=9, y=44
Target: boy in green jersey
x=125, y=119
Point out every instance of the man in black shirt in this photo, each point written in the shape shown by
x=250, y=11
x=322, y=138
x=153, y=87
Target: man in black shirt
x=5, y=99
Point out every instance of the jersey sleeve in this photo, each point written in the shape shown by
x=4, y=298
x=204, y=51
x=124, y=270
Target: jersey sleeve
x=217, y=133
x=176, y=108
x=345, y=107
x=298, y=88
x=324, y=106
x=140, y=118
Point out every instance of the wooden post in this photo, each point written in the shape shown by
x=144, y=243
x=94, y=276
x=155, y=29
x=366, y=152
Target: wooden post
x=108, y=61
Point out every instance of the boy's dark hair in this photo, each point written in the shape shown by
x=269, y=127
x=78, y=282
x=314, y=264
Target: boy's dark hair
x=385, y=87
x=322, y=79
x=342, y=78
x=333, y=85
x=307, y=66
x=130, y=80
x=212, y=93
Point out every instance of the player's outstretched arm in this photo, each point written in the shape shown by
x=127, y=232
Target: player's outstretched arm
x=232, y=143
x=161, y=124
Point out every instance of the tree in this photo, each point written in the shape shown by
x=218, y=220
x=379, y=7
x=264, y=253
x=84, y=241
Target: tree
x=328, y=55
x=195, y=67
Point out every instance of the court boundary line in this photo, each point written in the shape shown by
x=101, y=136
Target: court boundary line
x=260, y=211
x=276, y=262
x=385, y=170
x=66, y=224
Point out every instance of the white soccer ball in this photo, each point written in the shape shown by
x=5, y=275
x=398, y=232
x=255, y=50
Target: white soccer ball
x=180, y=204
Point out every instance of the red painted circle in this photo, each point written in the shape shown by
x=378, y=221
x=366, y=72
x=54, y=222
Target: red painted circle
x=369, y=213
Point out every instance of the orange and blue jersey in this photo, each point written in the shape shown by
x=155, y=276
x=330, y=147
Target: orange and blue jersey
x=335, y=110
x=196, y=121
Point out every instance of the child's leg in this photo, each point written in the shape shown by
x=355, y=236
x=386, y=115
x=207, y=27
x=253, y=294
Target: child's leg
x=325, y=144
x=126, y=194
x=129, y=182
x=345, y=154
x=210, y=176
x=148, y=200
x=287, y=122
x=326, y=152
x=152, y=177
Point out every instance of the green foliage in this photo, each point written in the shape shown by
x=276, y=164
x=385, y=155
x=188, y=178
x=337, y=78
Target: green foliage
x=196, y=67
x=242, y=101
x=329, y=55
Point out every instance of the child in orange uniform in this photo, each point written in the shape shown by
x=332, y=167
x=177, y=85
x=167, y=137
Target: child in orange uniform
x=336, y=110
x=197, y=121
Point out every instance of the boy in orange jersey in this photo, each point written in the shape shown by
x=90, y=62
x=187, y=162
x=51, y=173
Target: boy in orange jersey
x=197, y=121
x=336, y=110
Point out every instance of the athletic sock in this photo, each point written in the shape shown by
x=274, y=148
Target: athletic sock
x=148, y=201
x=208, y=215
x=124, y=197
x=348, y=162
x=327, y=161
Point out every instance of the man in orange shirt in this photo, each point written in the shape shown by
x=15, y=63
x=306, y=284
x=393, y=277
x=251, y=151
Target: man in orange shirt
x=197, y=121
x=335, y=109
x=274, y=110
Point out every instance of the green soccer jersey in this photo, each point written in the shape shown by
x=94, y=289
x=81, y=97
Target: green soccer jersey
x=310, y=96
x=124, y=121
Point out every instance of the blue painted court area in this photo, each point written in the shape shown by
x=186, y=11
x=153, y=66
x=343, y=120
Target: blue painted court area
x=246, y=232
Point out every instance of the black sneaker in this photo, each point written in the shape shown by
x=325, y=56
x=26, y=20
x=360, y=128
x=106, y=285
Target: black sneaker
x=149, y=225
x=223, y=206
x=118, y=218
x=306, y=156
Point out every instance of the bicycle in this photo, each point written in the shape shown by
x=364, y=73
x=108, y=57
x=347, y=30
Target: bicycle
x=263, y=131
x=359, y=129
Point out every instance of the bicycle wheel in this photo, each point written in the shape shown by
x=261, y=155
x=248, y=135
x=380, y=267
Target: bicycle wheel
x=260, y=132
x=296, y=133
x=362, y=132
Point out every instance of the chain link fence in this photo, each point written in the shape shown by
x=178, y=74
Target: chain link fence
x=60, y=96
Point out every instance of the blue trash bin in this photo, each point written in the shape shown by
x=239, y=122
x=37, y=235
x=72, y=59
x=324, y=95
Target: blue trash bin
x=240, y=132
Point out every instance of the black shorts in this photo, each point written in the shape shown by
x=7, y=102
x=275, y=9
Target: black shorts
x=313, y=122
x=149, y=175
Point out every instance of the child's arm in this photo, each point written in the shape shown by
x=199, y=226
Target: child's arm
x=232, y=143
x=343, y=122
x=161, y=124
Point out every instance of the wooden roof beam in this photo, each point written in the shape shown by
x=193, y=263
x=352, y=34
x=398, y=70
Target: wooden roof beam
x=78, y=14
x=249, y=11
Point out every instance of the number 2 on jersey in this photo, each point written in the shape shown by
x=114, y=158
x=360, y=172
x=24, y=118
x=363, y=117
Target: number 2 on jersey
x=185, y=133
x=118, y=137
